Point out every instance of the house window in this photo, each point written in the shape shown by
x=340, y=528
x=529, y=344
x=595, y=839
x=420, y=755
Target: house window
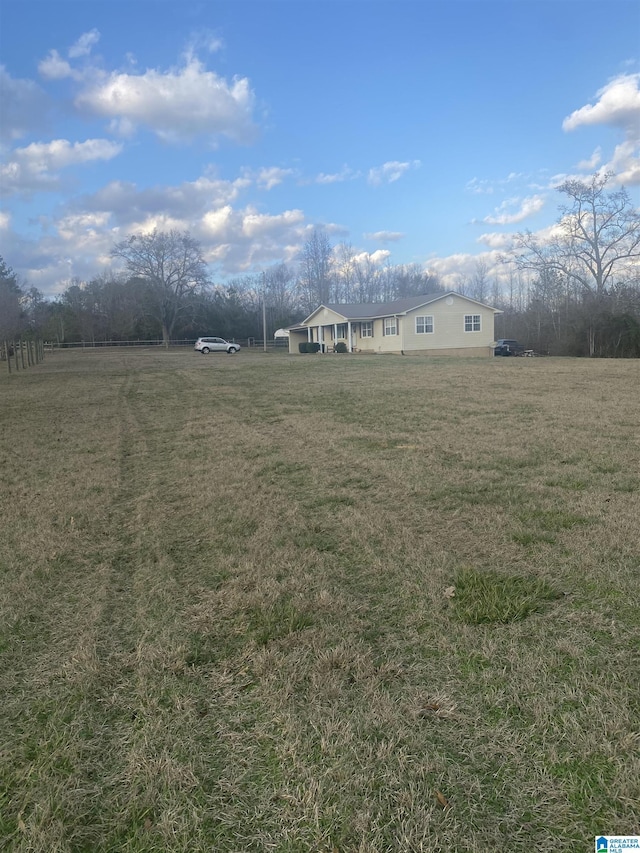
x=424, y=325
x=341, y=330
x=472, y=322
x=366, y=330
x=390, y=326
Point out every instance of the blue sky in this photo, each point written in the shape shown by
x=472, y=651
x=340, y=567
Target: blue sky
x=415, y=132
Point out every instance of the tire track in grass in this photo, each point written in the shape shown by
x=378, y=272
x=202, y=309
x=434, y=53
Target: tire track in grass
x=93, y=755
x=150, y=788
x=175, y=727
x=61, y=748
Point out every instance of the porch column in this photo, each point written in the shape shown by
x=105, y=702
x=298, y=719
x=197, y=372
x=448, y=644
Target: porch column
x=309, y=335
x=335, y=334
x=349, y=341
x=320, y=337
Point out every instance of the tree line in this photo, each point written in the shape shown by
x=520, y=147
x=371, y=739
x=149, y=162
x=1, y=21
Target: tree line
x=575, y=291
x=163, y=293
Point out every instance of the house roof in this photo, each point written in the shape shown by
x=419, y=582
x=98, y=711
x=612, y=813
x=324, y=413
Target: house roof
x=374, y=310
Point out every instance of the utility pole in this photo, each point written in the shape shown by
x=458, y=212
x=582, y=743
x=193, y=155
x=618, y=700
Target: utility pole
x=264, y=314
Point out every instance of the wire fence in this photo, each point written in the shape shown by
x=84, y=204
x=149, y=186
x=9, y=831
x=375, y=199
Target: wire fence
x=93, y=344
x=21, y=354
x=248, y=343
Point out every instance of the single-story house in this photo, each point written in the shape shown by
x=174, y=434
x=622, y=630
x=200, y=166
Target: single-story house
x=433, y=324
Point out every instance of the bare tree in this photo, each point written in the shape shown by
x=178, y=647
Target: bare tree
x=10, y=302
x=173, y=269
x=462, y=284
x=597, y=237
x=277, y=285
x=369, y=282
x=315, y=276
x=497, y=296
x=413, y=280
x=346, y=273
x=480, y=282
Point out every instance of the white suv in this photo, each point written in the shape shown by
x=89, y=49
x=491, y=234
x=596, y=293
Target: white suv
x=205, y=345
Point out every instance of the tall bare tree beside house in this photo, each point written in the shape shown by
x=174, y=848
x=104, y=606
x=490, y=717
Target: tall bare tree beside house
x=596, y=244
x=597, y=237
x=315, y=270
x=277, y=285
x=173, y=269
x=346, y=272
x=480, y=282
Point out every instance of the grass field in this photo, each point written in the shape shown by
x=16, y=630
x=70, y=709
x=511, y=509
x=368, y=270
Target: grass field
x=318, y=603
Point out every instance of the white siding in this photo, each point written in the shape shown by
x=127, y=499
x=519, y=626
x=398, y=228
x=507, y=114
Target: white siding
x=448, y=326
x=324, y=317
x=448, y=313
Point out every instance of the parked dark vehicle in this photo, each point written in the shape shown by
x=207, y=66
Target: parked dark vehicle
x=508, y=347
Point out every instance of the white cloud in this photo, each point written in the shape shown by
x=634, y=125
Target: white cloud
x=50, y=262
x=147, y=223
x=495, y=240
x=239, y=240
x=60, y=152
x=5, y=220
x=345, y=174
x=35, y=167
x=384, y=236
x=218, y=224
x=391, y=171
x=457, y=271
x=625, y=163
x=259, y=224
x=188, y=201
x=234, y=239
x=54, y=67
x=376, y=258
x=269, y=177
x=527, y=207
x=487, y=187
x=480, y=186
x=84, y=44
x=618, y=104
x=177, y=105
x=592, y=163
x=83, y=228
x=206, y=40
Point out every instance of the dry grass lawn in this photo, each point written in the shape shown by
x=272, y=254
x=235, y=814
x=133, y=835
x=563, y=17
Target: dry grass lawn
x=318, y=603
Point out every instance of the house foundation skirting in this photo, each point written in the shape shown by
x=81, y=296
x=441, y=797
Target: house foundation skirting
x=468, y=352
